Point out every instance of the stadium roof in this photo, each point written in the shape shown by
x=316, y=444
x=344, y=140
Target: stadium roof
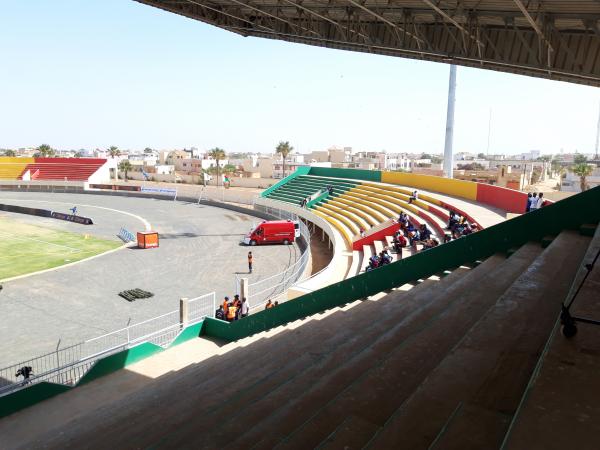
x=557, y=39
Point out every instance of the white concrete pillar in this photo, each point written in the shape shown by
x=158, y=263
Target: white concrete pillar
x=244, y=288
x=184, y=311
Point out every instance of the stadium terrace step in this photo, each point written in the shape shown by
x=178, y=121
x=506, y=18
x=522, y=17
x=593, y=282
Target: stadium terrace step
x=560, y=409
x=427, y=306
x=401, y=368
x=218, y=407
x=499, y=353
x=352, y=430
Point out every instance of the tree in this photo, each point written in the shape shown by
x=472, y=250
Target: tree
x=125, y=166
x=579, y=159
x=217, y=154
x=582, y=170
x=425, y=156
x=481, y=156
x=10, y=153
x=284, y=149
x=45, y=151
x=114, y=152
x=78, y=155
x=436, y=160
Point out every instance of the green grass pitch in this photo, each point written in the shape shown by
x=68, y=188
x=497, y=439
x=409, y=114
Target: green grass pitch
x=26, y=248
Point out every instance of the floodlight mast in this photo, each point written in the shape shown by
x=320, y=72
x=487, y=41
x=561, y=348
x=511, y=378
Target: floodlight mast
x=450, y=123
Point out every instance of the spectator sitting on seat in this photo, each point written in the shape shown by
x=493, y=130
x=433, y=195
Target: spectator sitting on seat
x=425, y=232
x=447, y=237
x=430, y=243
x=402, y=218
x=452, y=219
x=399, y=241
x=220, y=313
x=384, y=258
x=413, y=197
x=276, y=303
x=414, y=237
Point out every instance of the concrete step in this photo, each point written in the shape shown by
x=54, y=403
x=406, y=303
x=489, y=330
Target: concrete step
x=224, y=400
x=328, y=384
x=375, y=396
x=560, y=408
x=352, y=433
x=489, y=368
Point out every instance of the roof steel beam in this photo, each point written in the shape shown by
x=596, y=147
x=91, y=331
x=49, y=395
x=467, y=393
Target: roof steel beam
x=452, y=21
x=386, y=21
x=533, y=24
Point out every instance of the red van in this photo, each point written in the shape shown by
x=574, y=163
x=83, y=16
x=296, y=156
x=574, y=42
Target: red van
x=275, y=231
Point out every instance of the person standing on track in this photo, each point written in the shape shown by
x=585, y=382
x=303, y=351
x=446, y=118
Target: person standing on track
x=249, y=262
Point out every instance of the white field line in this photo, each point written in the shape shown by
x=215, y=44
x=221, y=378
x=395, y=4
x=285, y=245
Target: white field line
x=141, y=219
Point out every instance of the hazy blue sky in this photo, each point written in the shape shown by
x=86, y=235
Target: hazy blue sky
x=86, y=74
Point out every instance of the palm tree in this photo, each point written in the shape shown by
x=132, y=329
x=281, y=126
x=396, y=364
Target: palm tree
x=582, y=170
x=114, y=152
x=284, y=149
x=10, y=153
x=45, y=151
x=217, y=154
x=125, y=166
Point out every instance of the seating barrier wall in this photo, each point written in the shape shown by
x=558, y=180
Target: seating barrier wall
x=498, y=197
x=570, y=213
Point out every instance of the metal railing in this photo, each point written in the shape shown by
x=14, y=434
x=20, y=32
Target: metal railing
x=68, y=365
x=201, y=307
x=274, y=286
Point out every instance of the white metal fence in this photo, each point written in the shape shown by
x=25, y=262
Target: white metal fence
x=67, y=365
x=274, y=286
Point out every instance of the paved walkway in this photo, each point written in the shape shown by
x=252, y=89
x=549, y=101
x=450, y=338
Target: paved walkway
x=199, y=253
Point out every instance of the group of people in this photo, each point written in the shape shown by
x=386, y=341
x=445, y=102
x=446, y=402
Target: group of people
x=458, y=226
x=534, y=201
x=384, y=257
x=413, y=235
x=233, y=310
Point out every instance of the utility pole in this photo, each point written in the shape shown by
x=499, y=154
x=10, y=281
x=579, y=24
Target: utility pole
x=450, y=123
x=489, y=133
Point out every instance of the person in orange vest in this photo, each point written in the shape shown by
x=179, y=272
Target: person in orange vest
x=231, y=313
x=249, y=262
x=225, y=305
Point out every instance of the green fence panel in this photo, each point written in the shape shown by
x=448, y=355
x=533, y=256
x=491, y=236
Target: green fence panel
x=570, y=213
x=191, y=332
x=29, y=396
x=120, y=360
x=303, y=170
x=357, y=174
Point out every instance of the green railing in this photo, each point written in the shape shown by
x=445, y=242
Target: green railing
x=570, y=213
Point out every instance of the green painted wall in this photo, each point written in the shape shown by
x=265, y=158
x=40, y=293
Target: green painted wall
x=29, y=396
x=357, y=174
x=41, y=391
x=565, y=214
x=299, y=171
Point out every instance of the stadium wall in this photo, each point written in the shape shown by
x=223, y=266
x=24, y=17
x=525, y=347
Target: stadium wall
x=498, y=197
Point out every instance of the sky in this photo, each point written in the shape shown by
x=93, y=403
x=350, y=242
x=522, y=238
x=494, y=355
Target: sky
x=91, y=74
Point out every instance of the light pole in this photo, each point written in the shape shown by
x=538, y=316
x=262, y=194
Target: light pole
x=450, y=123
